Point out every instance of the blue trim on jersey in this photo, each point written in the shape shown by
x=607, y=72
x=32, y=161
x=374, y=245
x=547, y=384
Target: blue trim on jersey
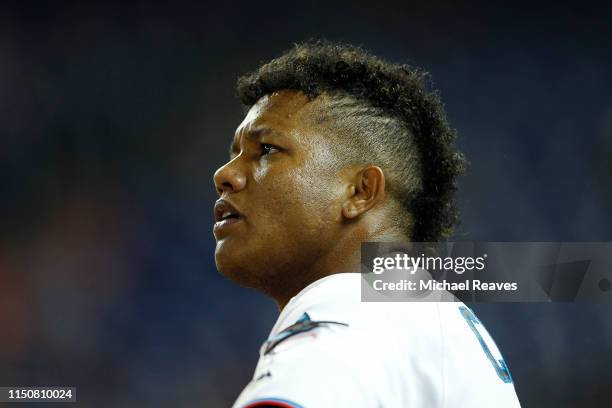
x=499, y=365
x=286, y=403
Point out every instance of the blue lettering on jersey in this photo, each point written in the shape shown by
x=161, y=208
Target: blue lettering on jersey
x=499, y=365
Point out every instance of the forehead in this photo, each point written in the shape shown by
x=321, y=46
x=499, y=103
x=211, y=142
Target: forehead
x=284, y=111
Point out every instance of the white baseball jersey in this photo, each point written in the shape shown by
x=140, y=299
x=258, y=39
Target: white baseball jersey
x=330, y=349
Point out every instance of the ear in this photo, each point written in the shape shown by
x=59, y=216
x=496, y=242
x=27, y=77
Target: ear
x=368, y=190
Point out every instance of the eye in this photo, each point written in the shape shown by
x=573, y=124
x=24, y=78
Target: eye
x=268, y=149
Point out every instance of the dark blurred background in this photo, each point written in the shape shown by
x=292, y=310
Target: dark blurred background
x=113, y=118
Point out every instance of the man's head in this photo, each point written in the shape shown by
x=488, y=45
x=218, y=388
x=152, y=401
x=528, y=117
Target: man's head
x=337, y=147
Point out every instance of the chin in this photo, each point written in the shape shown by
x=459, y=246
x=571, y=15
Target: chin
x=231, y=265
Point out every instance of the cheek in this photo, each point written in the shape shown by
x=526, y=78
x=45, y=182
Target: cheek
x=296, y=199
x=260, y=174
x=273, y=195
x=318, y=197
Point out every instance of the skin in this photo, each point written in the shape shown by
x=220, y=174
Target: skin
x=303, y=213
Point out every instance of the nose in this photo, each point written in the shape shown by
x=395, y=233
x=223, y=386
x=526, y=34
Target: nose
x=229, y=179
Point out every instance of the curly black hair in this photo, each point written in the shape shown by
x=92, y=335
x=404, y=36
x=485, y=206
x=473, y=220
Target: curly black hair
x=396, y=91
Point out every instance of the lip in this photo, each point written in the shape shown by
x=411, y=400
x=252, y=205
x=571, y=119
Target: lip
x=220, y=225
x=223, y=206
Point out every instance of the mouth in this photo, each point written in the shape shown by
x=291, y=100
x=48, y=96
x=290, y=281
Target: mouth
x=225, y=215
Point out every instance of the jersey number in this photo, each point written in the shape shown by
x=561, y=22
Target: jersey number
x=498, y=364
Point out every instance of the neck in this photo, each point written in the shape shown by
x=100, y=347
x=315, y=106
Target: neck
x=343, y=256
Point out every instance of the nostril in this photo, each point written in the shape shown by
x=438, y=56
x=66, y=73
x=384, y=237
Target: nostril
x=226, y=186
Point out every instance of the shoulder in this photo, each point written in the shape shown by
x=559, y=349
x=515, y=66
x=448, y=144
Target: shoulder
x=323, y=364
x=360, y=357
x=323, y=343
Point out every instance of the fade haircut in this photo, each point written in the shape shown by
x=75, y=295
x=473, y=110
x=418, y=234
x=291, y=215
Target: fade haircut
x=386, y=115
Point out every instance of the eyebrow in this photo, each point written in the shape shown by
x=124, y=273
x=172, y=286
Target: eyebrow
x=254, y=134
